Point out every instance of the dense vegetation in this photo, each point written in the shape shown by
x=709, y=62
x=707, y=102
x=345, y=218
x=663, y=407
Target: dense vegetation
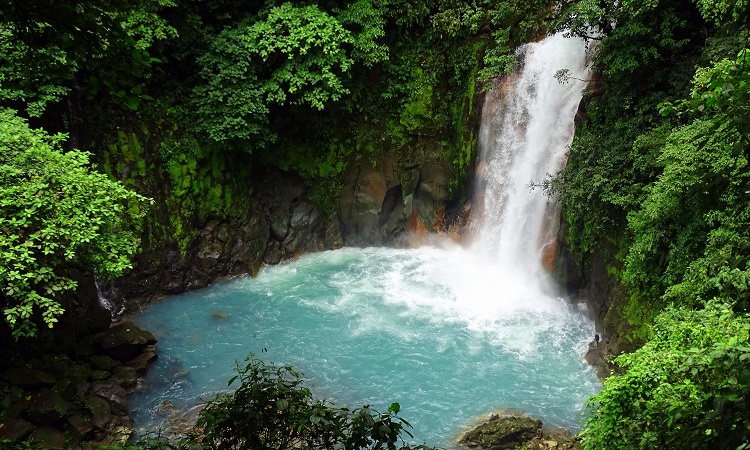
x=658, y=168
x=55, y=215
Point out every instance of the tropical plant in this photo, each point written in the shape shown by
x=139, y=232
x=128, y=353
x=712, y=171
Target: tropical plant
x=686, y=388
x=56, y=214
x=272, y=409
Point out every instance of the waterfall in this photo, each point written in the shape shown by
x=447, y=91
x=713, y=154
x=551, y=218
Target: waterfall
x=526, y=129
x=105, y=301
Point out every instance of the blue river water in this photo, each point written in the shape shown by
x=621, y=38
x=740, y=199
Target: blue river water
x=439, y=330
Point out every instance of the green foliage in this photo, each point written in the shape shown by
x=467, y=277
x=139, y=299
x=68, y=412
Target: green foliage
x=369, y=19
x=498, y=59
x=723, y=11
x=27, y=444
x=202, y=184
x=56, y=214
x=272, y=409
x=46, y=49
x=35, y=88
x=669, y=190
x=296, y=55
x=145, y=24
x=685, y=388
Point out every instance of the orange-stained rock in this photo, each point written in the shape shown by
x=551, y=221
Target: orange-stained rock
x=549, y=256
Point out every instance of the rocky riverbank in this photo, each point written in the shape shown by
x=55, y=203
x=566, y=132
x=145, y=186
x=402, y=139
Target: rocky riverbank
x=77, y=400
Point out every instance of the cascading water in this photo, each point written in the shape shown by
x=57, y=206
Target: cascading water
x=451, y=333
x=527, y=125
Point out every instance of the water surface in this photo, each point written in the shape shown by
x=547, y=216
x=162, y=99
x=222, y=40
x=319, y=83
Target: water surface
x=440, y=330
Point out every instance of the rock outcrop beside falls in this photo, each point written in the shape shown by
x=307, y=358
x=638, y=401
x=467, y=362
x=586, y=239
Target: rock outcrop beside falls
x=281, y=222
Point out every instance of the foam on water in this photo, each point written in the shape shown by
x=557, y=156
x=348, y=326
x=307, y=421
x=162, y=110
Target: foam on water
x=380, y=325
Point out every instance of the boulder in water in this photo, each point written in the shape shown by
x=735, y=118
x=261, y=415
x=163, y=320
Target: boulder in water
x=503, y=433
x=220, y=314
x=517, y=432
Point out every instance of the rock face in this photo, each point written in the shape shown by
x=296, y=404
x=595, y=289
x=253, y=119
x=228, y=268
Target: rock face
x=280, y=223
x=588, y=280
x=407, y=193
x=597, y=356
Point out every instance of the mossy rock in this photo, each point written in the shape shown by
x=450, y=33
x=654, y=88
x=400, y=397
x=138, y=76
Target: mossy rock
x=57, y=364
x=104, y=362
x=100, y=375
x=79, y=373
x=97, y=405
x=127, y=376
x=45, y=407
x=29, y=378
x=504, y=433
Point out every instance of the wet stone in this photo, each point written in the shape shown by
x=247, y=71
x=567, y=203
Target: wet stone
x=49, y=438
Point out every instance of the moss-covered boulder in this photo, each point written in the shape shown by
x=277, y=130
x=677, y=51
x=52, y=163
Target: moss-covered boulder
x=125, y=341
x=503, y=433
x=29, y=378
x=45, y=407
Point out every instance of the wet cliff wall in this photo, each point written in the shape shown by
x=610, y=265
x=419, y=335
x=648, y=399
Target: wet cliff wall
x=217, y=213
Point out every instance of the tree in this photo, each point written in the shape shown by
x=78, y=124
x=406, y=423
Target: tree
x=49, y=49
x=296, y=55
x=56, y=213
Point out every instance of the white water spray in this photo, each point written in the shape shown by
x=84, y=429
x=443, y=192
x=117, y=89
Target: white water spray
x=527, y=126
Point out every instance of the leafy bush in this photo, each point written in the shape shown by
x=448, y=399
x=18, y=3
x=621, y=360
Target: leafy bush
x=55, y=214
x=272, y=409
x=686, y=388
